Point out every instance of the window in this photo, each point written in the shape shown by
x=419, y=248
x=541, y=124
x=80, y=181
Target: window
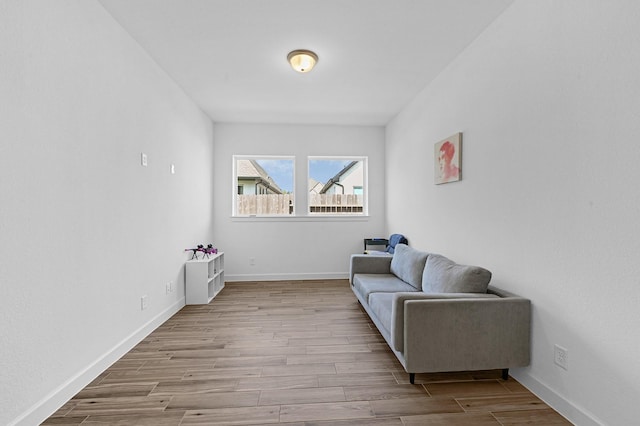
x=337, y=185
x=264, y=186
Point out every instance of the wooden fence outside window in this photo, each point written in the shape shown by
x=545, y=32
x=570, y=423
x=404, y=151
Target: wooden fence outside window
x=335, y=203
x=282, y=204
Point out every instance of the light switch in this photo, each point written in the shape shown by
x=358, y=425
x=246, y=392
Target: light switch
x=173, y=169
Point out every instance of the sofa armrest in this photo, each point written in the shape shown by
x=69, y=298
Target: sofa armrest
x=453, y=334
x=366, y=264
x=398, y=304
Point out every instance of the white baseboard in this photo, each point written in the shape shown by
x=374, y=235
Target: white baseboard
x=575, y=414
x=57, y=398
x=289, y=277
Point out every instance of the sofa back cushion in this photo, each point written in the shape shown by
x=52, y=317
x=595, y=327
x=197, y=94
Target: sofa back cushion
x=442, y=275
x=408, y=265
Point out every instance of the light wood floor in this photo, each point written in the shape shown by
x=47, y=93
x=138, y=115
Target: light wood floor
x=296, y=353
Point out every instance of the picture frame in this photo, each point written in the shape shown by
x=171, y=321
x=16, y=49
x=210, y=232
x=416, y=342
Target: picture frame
x=447, y=159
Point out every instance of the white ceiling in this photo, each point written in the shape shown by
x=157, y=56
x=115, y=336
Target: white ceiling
x=375, y=55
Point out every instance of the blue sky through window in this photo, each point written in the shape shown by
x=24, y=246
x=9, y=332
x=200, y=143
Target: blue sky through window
x=281, y=171
x=324, y=169
x=320, y=169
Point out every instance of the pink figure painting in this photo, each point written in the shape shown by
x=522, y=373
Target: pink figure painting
x=447, y=153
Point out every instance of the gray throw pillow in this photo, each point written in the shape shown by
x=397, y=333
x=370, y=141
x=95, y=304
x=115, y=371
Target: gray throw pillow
x=408, y=264
x=442, y=275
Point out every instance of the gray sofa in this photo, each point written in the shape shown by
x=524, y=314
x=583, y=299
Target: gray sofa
x=438, y=316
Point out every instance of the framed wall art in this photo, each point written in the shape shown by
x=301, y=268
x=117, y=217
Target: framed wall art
x=447, y=159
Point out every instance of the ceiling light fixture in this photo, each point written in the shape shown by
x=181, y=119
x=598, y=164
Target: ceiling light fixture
x=302, y=60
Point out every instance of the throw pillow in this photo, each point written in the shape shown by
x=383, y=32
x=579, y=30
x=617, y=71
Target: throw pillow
x=442, y=275
x=408, y=264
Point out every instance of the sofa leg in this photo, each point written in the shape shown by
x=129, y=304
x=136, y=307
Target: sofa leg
x=412, y=378
x=505, y=374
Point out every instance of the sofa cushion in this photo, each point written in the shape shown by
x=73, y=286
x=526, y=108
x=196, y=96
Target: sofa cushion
x=408, y=264
x=442, y=275
x=365, y=284
x=380, y=304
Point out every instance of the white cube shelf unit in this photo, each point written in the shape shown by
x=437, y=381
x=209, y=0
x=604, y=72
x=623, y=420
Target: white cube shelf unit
x=204, y=279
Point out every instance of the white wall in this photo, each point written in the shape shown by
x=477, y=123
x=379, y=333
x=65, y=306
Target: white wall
x=294, y=248
x=85, y=230
x=548, y=98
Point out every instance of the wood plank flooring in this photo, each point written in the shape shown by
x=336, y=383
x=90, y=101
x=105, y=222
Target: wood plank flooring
x=288, y=352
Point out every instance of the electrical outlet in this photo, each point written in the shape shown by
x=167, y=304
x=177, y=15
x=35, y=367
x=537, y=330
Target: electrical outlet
x=561, y=357
x=143, y=159
x=168, y=288
x=143, y=302
x=252, y=261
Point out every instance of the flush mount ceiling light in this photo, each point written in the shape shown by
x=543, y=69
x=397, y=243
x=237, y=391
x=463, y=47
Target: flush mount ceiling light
x=302, y=60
